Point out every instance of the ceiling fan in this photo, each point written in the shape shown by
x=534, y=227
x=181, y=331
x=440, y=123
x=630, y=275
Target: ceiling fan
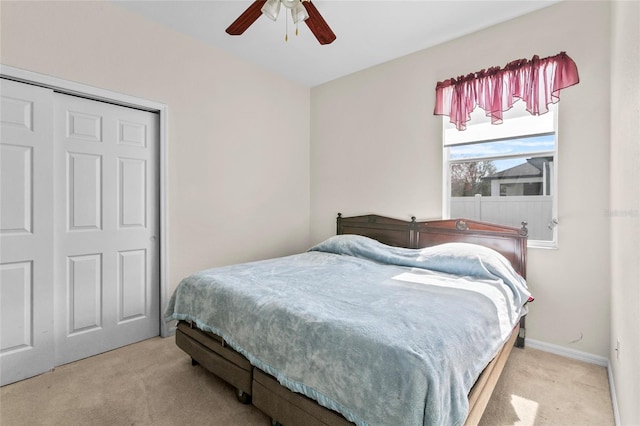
x=300, y=10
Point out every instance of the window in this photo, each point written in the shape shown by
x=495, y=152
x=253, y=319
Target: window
x=504, y=174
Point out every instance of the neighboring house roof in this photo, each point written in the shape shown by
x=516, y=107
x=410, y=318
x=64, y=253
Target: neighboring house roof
x=532, y=168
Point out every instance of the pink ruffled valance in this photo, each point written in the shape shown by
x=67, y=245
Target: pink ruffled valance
x=537, y=82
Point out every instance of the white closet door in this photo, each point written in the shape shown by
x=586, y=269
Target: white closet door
x=107, y=227
x=26, y=231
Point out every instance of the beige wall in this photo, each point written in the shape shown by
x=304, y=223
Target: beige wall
x=625, y=208
x=238, y=174
x=376, y=147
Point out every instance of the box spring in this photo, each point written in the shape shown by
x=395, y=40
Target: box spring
x=290, y=408
x=210, y=351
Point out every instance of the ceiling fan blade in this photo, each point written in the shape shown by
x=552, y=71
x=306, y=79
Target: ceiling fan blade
x=318, y=25
x=247, y=18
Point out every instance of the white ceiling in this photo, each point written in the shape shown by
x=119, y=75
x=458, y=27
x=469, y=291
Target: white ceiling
x=368, y=32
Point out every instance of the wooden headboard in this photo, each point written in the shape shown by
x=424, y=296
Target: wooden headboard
x=510, y=242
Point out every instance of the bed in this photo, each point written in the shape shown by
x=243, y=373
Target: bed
x=389, y=322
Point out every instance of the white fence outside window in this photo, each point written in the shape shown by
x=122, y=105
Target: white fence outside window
x=536, y=210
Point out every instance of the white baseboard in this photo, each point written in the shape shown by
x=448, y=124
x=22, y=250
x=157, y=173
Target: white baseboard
x=581, y=356
x=568, y=353
x=614, y=398
x=170, y=328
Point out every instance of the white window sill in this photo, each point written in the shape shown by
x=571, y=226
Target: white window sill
x=545, y=245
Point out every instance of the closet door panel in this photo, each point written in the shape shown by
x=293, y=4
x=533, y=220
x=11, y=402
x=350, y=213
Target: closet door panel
x=26, y=231
x=107, y=251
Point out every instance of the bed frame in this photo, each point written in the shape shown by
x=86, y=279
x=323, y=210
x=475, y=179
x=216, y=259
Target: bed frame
x=289, y=408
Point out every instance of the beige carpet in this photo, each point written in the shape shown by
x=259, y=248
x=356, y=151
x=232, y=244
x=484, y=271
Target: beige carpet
x=153, y=383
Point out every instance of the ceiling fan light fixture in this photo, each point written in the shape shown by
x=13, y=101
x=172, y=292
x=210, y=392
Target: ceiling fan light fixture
x=271, y=9
x=298, y=12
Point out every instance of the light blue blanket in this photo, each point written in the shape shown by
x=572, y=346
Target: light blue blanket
x=363, y=328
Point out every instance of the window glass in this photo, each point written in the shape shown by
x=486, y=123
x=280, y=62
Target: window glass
x=507, y=180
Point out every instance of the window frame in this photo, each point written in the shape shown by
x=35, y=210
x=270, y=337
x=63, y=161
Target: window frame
x=446, y=162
